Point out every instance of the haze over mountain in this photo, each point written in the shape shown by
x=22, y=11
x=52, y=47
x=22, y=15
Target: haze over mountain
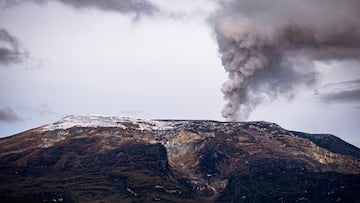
x=121, y=159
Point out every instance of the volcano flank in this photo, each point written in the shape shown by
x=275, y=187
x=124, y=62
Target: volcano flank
x=120, y=159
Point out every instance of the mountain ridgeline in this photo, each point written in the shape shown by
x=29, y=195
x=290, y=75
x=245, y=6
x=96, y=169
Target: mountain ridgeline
x=120, y=159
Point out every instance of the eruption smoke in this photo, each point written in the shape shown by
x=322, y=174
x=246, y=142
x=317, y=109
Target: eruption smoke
x=268, y=47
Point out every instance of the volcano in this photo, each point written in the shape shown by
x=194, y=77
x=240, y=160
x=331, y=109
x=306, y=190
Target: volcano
x=121, y=159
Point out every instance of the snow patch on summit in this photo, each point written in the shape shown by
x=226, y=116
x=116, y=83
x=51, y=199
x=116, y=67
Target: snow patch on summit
x=94, y=121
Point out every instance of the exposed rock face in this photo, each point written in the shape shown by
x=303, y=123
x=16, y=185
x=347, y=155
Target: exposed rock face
x=116, y=159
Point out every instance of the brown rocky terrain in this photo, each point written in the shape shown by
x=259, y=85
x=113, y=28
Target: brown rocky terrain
x=116, y=159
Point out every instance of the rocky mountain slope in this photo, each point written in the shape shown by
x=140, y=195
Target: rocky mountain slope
x=118, y=159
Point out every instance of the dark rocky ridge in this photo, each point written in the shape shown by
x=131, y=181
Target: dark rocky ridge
x=331, y=143
x=112, y=159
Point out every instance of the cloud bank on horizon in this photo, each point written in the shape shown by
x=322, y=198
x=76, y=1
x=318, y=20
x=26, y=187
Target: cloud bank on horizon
x=263, y=42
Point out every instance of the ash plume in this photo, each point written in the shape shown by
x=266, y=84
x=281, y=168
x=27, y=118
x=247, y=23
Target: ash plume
x=268, y=47
x=10, y=49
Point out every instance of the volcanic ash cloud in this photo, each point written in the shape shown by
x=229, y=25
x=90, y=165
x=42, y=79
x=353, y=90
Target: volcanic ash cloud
x=268, y=47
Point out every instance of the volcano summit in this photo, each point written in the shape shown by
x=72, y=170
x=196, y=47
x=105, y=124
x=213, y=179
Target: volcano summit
x=120, y=159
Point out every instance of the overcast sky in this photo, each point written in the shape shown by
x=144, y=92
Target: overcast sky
x=165, y=60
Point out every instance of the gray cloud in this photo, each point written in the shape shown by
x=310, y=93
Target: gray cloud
x=10, y=49
x=268, y=47
x=347, y=91
x=138, y=7
x=345, y=96
x=8, y=115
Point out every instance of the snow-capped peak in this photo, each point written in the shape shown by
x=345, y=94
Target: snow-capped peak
x=107, y=121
